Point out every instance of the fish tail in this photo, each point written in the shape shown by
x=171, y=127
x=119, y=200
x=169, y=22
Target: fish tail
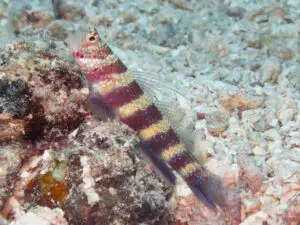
x=163, y=141
x=209, y=187
x=195, y=176
x=198, y=183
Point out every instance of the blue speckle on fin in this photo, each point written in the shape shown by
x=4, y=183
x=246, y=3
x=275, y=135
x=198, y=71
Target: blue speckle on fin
x=159, y=163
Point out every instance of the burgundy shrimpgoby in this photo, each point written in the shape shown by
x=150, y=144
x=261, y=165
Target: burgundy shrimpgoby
x=114, y=88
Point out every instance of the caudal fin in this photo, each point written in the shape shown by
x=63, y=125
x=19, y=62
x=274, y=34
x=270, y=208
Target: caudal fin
x=200, y=191
x=198, y=182
x=209, y=188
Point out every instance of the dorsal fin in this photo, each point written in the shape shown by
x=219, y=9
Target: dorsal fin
x=156, y=85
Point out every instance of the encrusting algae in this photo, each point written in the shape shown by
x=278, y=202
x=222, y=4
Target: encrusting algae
x=51, y=188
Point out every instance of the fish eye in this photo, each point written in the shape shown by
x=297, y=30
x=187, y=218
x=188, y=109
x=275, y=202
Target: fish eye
x=92, y=38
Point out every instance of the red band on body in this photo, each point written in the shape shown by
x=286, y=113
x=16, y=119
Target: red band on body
x=122, y=95
x=143, y=118
x=105, y=72
x=162, y=141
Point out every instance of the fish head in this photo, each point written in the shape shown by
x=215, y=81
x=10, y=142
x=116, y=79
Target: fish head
x=87, y=47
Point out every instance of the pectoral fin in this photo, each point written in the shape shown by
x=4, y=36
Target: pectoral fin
x=100, y=109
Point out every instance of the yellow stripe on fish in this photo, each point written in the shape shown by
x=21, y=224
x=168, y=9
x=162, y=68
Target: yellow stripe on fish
x=116, y=81
x=161, y=127
x=172, y=151
x=92, y=63
x=129, y=109
x=189, y=169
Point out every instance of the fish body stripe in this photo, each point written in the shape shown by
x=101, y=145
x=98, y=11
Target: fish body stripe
x=140, y=103
x=142, y=119
x=100, y=51
x=99, y=63
x=122, y=95
x=160, y=127
x=172, y=152
x=115, y=81
x=105, y=72
x=91, y=63
x=189, y=169
x=162, y=141
x=179, y=161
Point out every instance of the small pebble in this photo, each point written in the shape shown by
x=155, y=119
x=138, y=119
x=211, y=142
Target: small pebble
x=257, y=150
x=271, y=69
